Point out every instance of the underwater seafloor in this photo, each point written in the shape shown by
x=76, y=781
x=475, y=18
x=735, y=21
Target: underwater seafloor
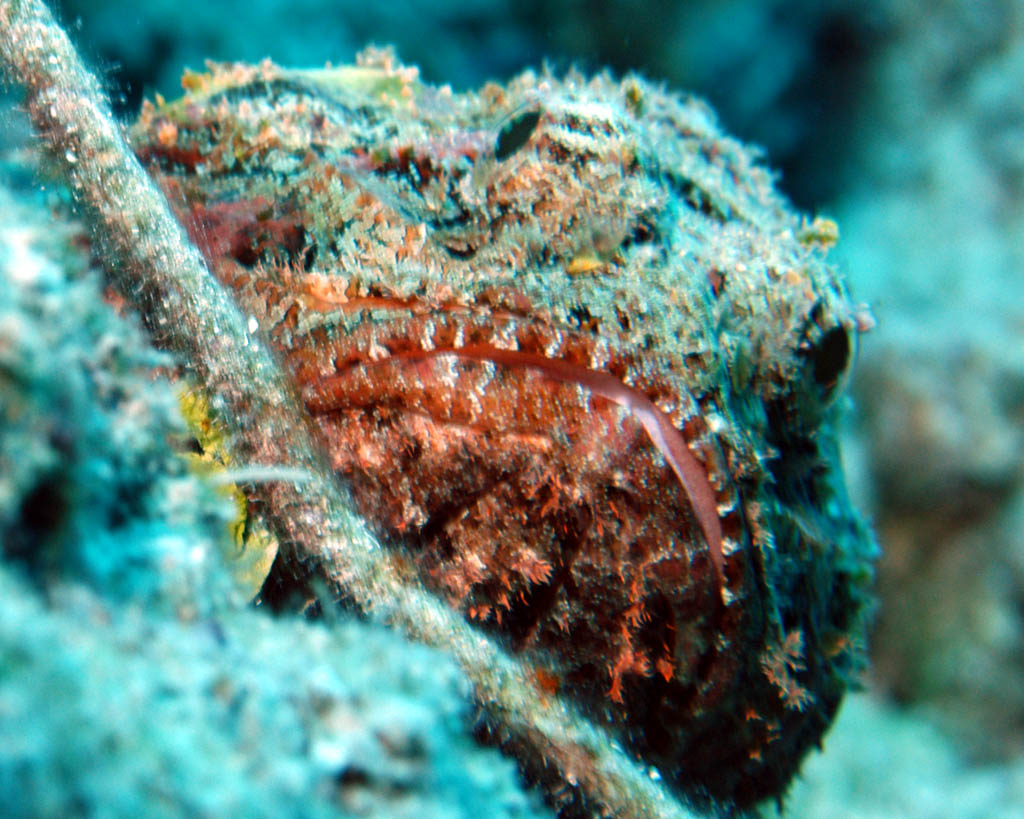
x=903, y=121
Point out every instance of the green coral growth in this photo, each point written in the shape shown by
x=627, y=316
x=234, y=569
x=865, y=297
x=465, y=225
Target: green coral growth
x=252, y=548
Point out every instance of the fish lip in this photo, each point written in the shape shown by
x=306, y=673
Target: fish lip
x=663, y=435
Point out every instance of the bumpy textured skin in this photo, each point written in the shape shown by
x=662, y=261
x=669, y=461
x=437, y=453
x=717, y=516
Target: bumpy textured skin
x=576, y=360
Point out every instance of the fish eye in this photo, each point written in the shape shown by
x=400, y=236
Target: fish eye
x=515, y=133
x=826, y=355
x=830, y=357
x=827, y=351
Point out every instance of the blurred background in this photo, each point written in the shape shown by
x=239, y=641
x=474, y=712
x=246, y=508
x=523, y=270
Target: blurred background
x=904, y=121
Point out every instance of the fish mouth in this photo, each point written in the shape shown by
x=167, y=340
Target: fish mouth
x=816, y=528
x=662, y=435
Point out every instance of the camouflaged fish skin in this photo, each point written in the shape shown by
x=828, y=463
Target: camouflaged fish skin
x=578, y=363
